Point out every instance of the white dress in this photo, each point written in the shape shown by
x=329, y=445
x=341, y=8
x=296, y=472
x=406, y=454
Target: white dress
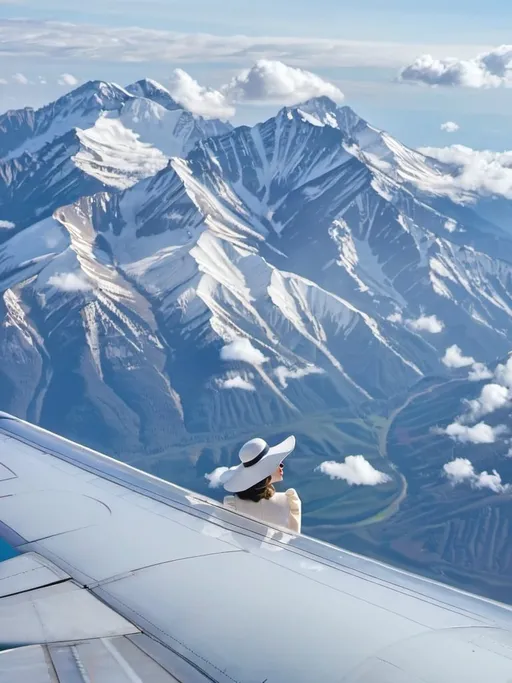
x=283, y=509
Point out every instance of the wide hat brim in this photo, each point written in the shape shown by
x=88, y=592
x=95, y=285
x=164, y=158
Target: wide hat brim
x=241, y=478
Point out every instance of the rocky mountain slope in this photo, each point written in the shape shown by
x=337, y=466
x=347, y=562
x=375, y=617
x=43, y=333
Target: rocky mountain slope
x=98, y=137
x=170, y=285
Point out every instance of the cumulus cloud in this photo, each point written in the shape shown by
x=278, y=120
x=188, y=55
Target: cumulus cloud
x=492, y=69
x=491, y=481
x=461, y=470
x=6, y=224
x=216, y=478
x=477, y=434
x=503, y=373
x=450, y=127
x=450, y=225
x=355, y=470
x=70, y=282
x=237, y=382
x=492, y=397
x=241, y=349
x=266, y=81
x=274, y=81
x=283, y=374
x=21, y=79
x=471, y=171
x=395, y=317
x=479, y=372
x=426, y=323
x=67, y=79
x=198, y=99
x=453, y=358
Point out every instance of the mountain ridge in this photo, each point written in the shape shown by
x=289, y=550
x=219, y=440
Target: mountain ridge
x=298, y=275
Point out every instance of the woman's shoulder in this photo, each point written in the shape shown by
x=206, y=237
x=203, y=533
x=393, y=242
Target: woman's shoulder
x=289, y=496
x=292, y=494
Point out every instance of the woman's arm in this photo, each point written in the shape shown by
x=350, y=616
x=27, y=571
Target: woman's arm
x=295, y=505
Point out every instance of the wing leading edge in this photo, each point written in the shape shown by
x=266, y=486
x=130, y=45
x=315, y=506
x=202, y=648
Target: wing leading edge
x=204, y=593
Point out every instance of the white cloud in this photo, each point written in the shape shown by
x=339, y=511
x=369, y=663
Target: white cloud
x=461, y=470
x=426, y=323
x=67, y=79
x=237, y=382
x=216, y=478
x=6, y=224
x=266, y=81
x=479, y=372
x=42, y=81
x=72, y=42
x=491, y=69
x=395, y=317
x=21, y=79
x=241, y=349
x=3, y=81
x=355, y=470
x=198, y=99
x=450, y=127
x=283, y=374
x=450, y=225
x=503, y=373
x=70, y=282
x=479, y=433
x=453, y=358
x=471, y=171
x=491, y=481
x=274, y=81
x=492, y=397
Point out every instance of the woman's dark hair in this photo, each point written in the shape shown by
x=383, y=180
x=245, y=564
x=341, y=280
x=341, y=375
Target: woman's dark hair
x=263, y=490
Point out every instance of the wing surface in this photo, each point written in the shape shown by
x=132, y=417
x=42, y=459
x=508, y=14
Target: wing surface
x=125, y=577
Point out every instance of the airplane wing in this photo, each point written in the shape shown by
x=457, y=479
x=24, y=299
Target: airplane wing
x=125, y=578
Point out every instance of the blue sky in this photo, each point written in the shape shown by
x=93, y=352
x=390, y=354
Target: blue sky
x=373, y=40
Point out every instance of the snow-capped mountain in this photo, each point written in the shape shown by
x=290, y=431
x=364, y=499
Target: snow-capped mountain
x=149, y=89
x=306, y=189
x=144, y=103
x=269, y=272
x=100, y=136
x=105, y=156
x=430, y=180
x=170, y=286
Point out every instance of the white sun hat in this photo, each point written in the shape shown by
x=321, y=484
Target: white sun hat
x=258, y=461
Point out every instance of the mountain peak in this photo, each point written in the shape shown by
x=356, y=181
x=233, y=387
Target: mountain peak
x=91, y=95
x=326, y=112
x=152, y=90
x=322, y=102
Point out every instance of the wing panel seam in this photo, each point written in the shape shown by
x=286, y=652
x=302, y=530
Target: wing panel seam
x=132, y=572
x=34, y=588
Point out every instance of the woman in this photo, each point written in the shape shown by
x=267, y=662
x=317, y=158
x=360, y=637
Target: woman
x=251, y=482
